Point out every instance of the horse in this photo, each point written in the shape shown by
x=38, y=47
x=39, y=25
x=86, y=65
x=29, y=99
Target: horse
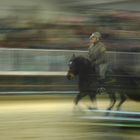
x=88, y=82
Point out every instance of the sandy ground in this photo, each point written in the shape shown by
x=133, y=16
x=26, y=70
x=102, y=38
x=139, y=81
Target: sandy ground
x=53, y=118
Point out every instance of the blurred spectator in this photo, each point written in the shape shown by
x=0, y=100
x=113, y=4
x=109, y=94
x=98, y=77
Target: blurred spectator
x=72, y=31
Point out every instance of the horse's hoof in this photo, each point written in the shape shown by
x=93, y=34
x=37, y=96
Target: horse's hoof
x=92, y=108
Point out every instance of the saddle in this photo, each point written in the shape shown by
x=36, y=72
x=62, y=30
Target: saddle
x=109, y=78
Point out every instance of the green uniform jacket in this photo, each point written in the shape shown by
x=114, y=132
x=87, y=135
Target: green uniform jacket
x=97, y=53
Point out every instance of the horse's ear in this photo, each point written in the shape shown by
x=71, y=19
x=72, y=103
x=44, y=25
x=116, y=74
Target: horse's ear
x=73, y=56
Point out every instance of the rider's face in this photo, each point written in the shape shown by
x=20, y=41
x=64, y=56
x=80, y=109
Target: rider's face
x=93, y=40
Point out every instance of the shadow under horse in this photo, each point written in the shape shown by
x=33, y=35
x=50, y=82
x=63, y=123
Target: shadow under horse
x=122, y=84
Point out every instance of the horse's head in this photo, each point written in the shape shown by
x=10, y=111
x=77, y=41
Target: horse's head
x=72, y=72
x=78, y=65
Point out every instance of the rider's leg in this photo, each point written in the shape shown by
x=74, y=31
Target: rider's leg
x=102, y=73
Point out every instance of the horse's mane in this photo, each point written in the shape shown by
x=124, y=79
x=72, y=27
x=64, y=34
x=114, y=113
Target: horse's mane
x=83, y=64
x=83, y=59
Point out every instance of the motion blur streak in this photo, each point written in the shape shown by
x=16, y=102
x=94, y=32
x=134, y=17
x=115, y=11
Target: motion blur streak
x=30, y=30
x=67, y=24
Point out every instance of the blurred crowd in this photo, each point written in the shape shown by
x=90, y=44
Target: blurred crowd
x=120, y=31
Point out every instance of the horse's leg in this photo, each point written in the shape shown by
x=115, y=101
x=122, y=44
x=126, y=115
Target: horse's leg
x=122, y=100
x=93, y=100
x=113, y=100
x=77, y=99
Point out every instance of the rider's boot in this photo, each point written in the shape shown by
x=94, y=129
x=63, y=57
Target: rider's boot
x=101, y=88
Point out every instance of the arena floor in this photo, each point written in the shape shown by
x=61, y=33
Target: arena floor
x=54, y=118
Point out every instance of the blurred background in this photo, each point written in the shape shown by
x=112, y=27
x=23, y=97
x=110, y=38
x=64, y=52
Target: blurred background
x=40, y=36
x=37, y=39
x=65, y=24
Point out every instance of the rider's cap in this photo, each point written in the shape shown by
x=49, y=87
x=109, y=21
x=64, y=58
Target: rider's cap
x=95, y=34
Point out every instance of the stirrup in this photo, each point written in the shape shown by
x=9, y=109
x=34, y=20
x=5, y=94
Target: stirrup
x=101, y=90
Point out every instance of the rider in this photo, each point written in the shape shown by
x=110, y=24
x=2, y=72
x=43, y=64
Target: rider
x=97, y=55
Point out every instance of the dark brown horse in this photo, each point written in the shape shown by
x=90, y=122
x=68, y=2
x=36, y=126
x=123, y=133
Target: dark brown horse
x=124, y=84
